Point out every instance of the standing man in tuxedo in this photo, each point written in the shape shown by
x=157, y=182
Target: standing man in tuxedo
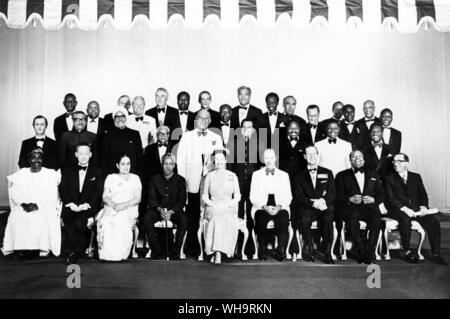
x=226, y=131
x=69, y=141
x=407, y=200
x=186, y=119
x=120, y=140
x=42, y=141
x=360, y=196
x=313, y=132
x=272, y=121
x=364, y=123
x=163, y=113
x=338, y=110
x=204, y=99
x=333, y=151
x=377, y=154
x=348, y=130
x=124, y=101
x=391, y=136
x=63, y=123
x=81, y=191
x=95, y=124
x=289, y=106
x=244, y=110
x=270, y=193
x=292, y=150
x=193, y=162
x=166, y=201
x=144, y=124
x=314, y=193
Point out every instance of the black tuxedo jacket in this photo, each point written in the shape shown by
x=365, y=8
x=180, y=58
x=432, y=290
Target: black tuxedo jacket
x=383, y=165
x=395, y=141
x=253, y=113
x=364, y=131
x=171, y=119
x=101, y=126
x=215, y=118
x=50, y=152
x=264, y=122
x=108, y=122
x=354, y=137
x=291, y=159
x=303, y=190
x=60, y=126
x=190, y=123
x=347, y=186
x=306, y=136
x=412, y=195
x=68, y=143
x=152, y=162
x=91, y=192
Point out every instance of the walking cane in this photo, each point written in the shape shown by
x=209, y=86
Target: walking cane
x=167, y=235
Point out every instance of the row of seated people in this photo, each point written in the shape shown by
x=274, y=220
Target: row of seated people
x=357, y=194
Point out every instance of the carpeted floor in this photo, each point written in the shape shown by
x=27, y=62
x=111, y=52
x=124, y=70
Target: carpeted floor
x=46, y=278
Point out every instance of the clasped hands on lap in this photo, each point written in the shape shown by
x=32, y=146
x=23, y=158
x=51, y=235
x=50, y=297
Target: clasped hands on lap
x=360, y=199
x=164, y=213
x=29, y=207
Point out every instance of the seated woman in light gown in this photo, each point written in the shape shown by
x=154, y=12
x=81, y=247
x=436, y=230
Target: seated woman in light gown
x=221, y=196
x=115, y=222
x=34, y=222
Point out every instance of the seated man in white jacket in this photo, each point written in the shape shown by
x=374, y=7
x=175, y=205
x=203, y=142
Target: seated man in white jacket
x=270, y=193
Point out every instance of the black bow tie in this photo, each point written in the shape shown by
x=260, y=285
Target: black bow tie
x=160, y=144
x=312, y=169
x=273, y=113
x=293, y=139
x=270, y=171
x=312, y=125
x=348, y=123
x=201, y=133
x=82, y=168
x=139, y=118
x=380, y=145
x=93, y=121
x=372, y=120
x=242, y=107
x=360, y=170
x=68, y=114
x=162, y=110
x=224, y=124
x=39, y=139
x=183, y=112
x=386, y=127
x=332, y=140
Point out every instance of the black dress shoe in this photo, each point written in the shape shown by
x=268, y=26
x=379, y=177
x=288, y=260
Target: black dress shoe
x=367, y=259
x=411, y=258
x=156, y=256
x=280, y=257
x=307, y=255
x=262, y=254
x=437, y=259
x=20, y=256
x=174, y=256
x=72, y=259
x=328, y=259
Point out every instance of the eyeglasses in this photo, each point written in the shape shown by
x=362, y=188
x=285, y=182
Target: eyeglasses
x=79, y=119
x=398, y=161
x=120, y=117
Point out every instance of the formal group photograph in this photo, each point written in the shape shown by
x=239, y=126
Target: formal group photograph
x=225, y=150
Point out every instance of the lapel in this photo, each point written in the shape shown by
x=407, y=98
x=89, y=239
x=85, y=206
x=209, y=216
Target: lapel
x=308, y=179
x=366, y=180
x=86, y=178
x=355, y=181
x=76, y=177
x=279, y=119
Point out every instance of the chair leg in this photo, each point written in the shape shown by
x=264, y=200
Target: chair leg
x=244, y=243
x=344, y=251
x=136, y=235
x=182, y=255
x=199, y=237
x=291, y=234
x=378, y=247
x=387, y=256
x=299, y=255
x=90, y=250
x=255, y=242
x=333, y=243
x=422, y=239
x=147, y=244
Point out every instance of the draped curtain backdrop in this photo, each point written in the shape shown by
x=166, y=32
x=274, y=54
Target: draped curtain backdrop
x=409, y=73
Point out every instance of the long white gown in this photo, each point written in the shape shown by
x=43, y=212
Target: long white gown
x=40, y=229
x=114, y=229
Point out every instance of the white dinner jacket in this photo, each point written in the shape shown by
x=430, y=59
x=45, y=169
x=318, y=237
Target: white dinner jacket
x=260, y=190
x=335, y=157
x=147, y=125
x=189, y=156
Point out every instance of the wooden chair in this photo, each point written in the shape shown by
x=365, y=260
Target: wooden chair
x=348, y=245
x=173, y=227
x=271, y=225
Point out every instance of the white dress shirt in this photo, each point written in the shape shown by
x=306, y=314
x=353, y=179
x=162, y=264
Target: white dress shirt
x=69, y=122
x=313, y=133
x=82, y=176
x=161, y=115
x=225, y=132
x=92, y=125
x=40, y=143
x=243, y=114
x=183, y=121
x=378, y=150
x=369, y=122
x=144, y=127
x=273, y=121
x=386, y=134
x=334, y=156
x=313, y=175
x=360, y=179
x=350, y=126
x=161, y=150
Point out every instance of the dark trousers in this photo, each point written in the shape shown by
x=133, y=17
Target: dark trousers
x=193, y=215
x=429, y=223
x=75, y=229
x=281, y=224
x=371, y=216
x=304, y=217
x=179, y=218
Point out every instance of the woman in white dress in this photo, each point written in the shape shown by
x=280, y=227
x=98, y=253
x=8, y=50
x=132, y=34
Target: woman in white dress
x=34, y=222
x=221, y=196
x=115, y=222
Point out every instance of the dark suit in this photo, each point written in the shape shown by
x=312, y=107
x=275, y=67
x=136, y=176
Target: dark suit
x=50, y=152
x=306, y=136
x=190, y=123
x=346, y=187
x=108, y=121
x=253, y=113
x=364, y=130
x=395, y=141
x=353, y=137
x=279, y=130
x=68, y=146
x=171, y=118
x=304, y=213
x=291, y=159
x=215, y=118
x=60, y=126
x=412, y=195
x=119, y=141
x=382, y=165
x=75, y=223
